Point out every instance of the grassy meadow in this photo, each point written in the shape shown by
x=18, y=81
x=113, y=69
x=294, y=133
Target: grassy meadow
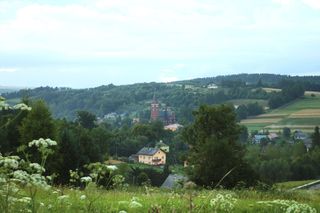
x=145, y=199
x=301, y=114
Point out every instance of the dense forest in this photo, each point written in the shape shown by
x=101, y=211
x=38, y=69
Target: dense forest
x=183, y=96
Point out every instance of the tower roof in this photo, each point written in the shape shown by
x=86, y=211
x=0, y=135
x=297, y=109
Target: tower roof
x=154, y=98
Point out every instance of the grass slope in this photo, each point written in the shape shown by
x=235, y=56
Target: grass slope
x=301, y=114
x=145, y=199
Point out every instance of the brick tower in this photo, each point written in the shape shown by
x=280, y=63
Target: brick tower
x=154, y=109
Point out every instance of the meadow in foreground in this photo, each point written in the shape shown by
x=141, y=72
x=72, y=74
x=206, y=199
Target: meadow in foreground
x=145, y=199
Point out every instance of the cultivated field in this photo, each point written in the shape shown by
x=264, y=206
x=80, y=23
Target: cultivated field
x=303, y=114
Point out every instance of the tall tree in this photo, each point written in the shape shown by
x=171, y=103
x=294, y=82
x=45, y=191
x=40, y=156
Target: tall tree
x=37, y=124
x=86, y=119
x=316, y=137
x=215, y=155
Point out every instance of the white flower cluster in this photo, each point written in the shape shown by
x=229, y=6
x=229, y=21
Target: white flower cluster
x=5, y=106
x=36, y=167
x=86, y=179
x=25, y=200
x=63, y=197
x=42, y=143
x=134, y=203
x=224, y=203
x=30, y=179
x=112, y=167
x=10, y=162
x=289, y=206
x=22, y=107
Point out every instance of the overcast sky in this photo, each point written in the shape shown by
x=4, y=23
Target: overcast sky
x=87, y=43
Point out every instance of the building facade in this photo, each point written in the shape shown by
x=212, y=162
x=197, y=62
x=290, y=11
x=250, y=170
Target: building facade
x=151, y=156
x=164, y=114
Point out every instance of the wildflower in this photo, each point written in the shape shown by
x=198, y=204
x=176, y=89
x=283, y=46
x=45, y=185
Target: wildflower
x=289, y=206
x=223, y=202
x=26, y=200
x=22, y=107
x=83, y=197
x=112, y=167
x=42, y=143
x=86, y=179
x=10, y=162
x=2, y=180
x=122, y=211
x=134, y=203
x=21, y=176
x=36, y=167
x=63, y=197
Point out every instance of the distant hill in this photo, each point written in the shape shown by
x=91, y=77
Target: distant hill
x=6, y=89
x=182, y=96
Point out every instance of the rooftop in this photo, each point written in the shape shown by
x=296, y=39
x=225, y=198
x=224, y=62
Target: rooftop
x=148, y=151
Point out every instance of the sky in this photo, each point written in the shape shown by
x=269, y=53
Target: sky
x=88, y=43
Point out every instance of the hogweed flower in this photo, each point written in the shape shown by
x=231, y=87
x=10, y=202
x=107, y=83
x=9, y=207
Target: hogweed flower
x=112, y=167
x=42, y=143
x=36, y=167
x=10, y=162
x=25, y=200
x=22, y=107
x=134, y=203
x=63, y=197
x=223, y=203
x=289, y=206
x=86, y=179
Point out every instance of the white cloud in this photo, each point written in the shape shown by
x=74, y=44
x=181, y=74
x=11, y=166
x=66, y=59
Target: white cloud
x=315, y=4
x=171, y=73
x=283, y=2
x=8, y=70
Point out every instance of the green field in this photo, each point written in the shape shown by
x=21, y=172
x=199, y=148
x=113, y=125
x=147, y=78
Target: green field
x=300, y=121
x=145, y=199
x=301, y=114
x=304, y=103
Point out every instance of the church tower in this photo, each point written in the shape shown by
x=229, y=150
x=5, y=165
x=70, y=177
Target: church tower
x=154, y=109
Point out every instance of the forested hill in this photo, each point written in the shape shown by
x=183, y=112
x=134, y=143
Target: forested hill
x=183, y=96
x=270, y=80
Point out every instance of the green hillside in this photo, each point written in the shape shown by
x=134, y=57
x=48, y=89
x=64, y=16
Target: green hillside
x=303, y=114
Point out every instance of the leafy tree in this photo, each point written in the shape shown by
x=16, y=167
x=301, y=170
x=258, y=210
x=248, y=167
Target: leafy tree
x=254, y=109
x=242, y=112
x=37, y=124
x=244, y=134
x=316, y=137
x=286, y=132
x=215, y=155
x=86, y=119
